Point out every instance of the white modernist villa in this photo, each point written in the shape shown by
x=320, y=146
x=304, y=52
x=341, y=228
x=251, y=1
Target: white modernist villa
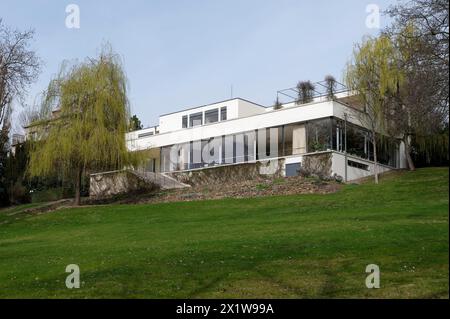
x=238, y=131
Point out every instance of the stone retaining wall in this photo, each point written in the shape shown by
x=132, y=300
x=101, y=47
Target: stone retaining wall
x=317, y=164
x=230, y=173
x=117, y=182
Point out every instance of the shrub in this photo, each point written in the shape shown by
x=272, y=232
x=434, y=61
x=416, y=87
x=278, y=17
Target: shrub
x=19, y=194
x=305, y=92
x=47, y=195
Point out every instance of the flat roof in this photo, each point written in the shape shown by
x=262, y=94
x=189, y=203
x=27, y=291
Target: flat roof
x=210, y=104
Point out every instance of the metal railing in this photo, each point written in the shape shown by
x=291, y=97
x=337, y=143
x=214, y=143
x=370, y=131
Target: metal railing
x=320, y=90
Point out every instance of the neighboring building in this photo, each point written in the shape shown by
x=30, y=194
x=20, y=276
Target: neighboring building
x=239, y=131
x=16, y=140
x=39, y=128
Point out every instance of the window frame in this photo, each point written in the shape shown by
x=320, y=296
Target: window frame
x=214, y=112
x=198, y=114
x=223, y=110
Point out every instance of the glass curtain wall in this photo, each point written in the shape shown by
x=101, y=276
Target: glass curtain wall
x=359, y=143
x=221, y=150
x=319, y=135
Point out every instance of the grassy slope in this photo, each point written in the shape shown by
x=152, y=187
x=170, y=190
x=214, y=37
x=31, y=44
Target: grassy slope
x=289, y=246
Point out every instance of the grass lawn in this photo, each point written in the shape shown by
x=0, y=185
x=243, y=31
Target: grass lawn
x=303, y=246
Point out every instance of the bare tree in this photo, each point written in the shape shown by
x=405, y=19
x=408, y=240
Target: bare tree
x=430, y=18
x=416, y=110
x=19, y=67
x=419, y=107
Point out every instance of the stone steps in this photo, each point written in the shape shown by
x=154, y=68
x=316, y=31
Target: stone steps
x=162, y=180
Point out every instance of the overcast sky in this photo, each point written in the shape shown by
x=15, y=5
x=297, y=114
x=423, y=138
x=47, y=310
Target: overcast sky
x=180, y=54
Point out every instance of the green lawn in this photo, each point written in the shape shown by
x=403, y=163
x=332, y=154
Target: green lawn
x=302, y=246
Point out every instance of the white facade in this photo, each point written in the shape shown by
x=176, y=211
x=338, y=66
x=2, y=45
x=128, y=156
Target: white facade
x=244, y=116
x=236, y=108
x=171, y=132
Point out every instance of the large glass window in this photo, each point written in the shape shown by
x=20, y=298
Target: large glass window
x=280, y=144
x=288, y=140
x=212, y=116
x=268, y=142
x=250, y=144
x=359, y=143
x=297, y=138
x=182, y=152
x=338, y=135
x=245, y=147
x=228, y=149
x=196, y=119
x=319, y=135
x=211, y=151
x=196, y=154
x=355, y=138
x=165, y=159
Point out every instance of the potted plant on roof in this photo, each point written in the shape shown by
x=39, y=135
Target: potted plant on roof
x=277, y=104
x=305, y=92
x=330, y=83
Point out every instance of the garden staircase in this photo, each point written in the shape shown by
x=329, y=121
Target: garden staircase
x=160, y=179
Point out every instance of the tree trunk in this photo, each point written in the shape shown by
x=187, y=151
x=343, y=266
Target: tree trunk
x=78, y=187
x=409, y=159
x=375, y=159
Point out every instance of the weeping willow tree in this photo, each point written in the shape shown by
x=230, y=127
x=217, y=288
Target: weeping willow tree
x=87, y=133
x=373, y=73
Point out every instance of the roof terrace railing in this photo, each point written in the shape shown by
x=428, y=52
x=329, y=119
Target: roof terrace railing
x=320, y=89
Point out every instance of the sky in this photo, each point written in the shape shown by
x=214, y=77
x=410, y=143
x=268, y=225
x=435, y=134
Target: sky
x=180, y=54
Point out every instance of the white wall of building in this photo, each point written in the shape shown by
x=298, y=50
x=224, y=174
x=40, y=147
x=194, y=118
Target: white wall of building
x=173, y=121
x=247, y=108
x=245, y=116
x=235, y=108
x=300, y=113
x=338, y=166
x=149, y=131
x=283, y=116
x=353, y=173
